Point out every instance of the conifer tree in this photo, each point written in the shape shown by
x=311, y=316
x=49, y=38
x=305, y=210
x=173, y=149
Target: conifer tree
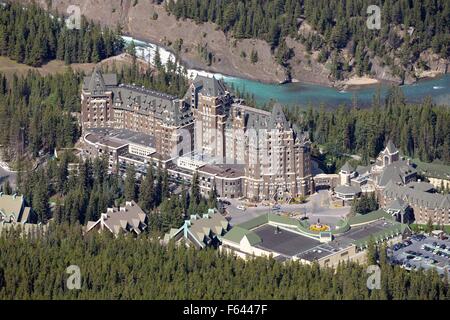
x=130, y=184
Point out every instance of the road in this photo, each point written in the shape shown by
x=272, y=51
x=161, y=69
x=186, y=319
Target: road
x=316, y=208
x=6, y=175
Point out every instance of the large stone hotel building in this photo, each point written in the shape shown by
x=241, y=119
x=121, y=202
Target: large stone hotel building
x=237, y=149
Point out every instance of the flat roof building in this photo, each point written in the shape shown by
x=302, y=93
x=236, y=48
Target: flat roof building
x=290, y=239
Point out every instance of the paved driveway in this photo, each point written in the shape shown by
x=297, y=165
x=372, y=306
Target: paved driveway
x=6, y=175
x=316, y=208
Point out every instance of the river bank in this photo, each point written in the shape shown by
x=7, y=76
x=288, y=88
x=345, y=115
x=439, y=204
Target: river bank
x=357, y=89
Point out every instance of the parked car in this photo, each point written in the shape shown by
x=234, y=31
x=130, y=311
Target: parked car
x=418, y=237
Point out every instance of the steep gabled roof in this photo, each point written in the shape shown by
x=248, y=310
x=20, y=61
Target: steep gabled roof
x=13, y=206
x=168, y=108
x=362, y=169
x=417, y=197
x=391, y=148
x=125, y=219
x=98, y=83
x=347, y=167
x=397, y=204
x=210, y=87
x=396, y=172
x=278, y=117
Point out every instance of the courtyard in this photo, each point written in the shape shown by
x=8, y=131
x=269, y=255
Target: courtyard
x=318, y=207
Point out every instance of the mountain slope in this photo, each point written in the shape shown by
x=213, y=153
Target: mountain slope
x=313, y=41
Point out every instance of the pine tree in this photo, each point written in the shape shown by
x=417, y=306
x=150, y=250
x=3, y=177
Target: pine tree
x=165, y=184
x=195, y=195
x=146, y=197
x=40, y=203
x=254, y=56
x=130, y=184
x=157, y=59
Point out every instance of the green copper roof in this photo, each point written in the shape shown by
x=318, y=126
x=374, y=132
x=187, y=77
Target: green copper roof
x=237, y=233
x=396, y=229
x=254, y=223
x=369, y=217
x=282, y=219
x=253, y=238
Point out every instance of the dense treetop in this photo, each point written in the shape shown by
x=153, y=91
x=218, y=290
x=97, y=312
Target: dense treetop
x=129, y=268
x=420, y=130
x=32, y=36
x=337, y=24
x=35, y=113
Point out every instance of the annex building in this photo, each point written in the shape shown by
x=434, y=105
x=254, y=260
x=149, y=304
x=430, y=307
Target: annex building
x=200, y=231
x=285, y=238
x=14, y=212
x=394, y=182
x=127, y=219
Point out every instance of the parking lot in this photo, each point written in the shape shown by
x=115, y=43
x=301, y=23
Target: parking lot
x=421, y=252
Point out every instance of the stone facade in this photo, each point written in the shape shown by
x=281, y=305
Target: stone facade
x=168, y=119
x=276, y=159
x=247, y=151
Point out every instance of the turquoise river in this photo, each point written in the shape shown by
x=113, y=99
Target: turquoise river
x=302, y=94
x=308, y=94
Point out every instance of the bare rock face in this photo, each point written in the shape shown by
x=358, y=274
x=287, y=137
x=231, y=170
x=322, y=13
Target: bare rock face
x=383, y=72
x=305, y=67
x=434, y=63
